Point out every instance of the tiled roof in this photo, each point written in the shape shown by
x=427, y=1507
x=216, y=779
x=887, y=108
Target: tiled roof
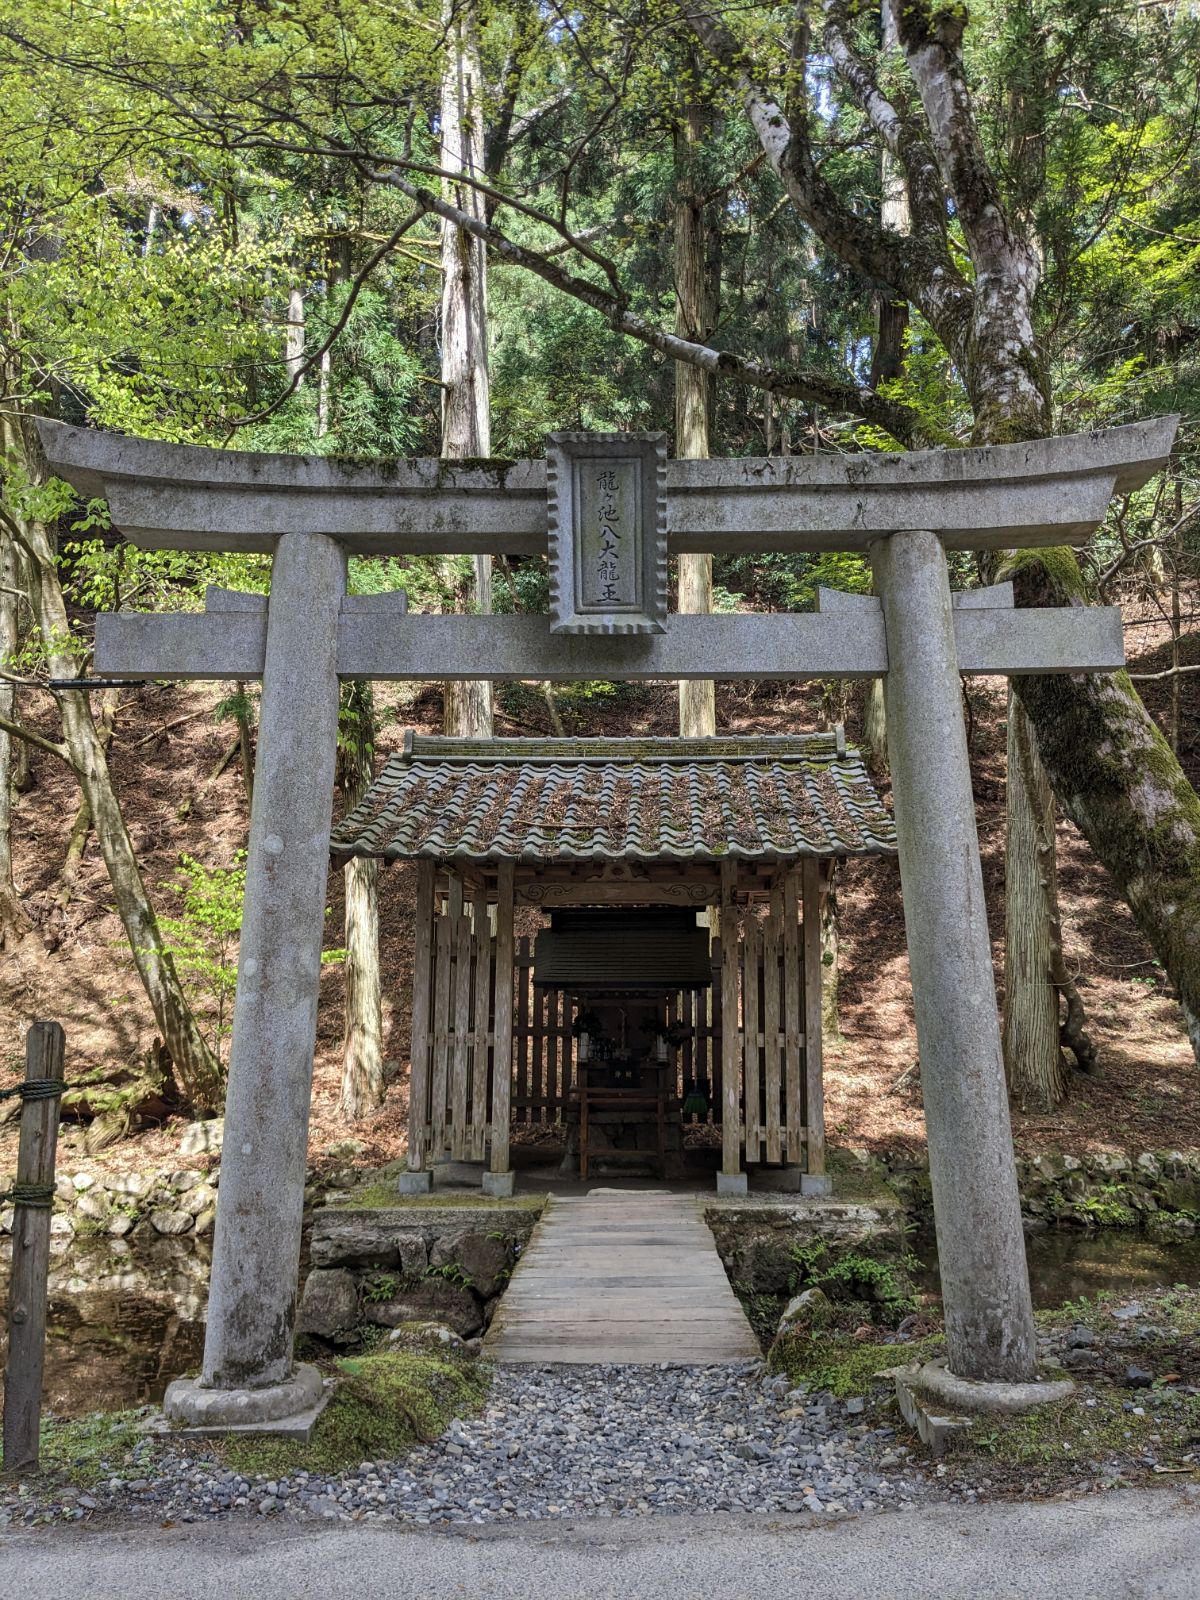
x=542, y=800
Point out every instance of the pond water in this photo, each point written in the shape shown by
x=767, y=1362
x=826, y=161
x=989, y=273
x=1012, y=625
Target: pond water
x=126, y=1319
x=1069, y=1263
x=122, y=1323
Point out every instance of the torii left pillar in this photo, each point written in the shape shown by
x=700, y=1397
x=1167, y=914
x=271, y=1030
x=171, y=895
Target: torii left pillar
x=249, y=1375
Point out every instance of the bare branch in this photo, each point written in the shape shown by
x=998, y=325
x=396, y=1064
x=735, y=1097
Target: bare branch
x=17, y=730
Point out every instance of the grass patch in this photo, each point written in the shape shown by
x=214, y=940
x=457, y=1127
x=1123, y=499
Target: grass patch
x=83, y=1450
x=1093, y=1427
x=386, y=1401
x=844, y=1366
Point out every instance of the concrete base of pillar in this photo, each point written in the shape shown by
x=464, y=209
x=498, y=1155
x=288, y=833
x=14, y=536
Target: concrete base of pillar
x=816, y=1183
x=732, y=1184
x=942, y=1409
x=414, y=1182
x=974, y=1396
x=499, y=1185
x=281, y=1410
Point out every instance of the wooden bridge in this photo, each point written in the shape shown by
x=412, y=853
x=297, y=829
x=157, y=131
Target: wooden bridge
x=626, y=1277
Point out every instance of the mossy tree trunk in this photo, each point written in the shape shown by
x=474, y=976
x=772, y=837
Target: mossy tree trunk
x=1111, y=769
x=1033, y=1060
x=14, y=923
x=362, y=1050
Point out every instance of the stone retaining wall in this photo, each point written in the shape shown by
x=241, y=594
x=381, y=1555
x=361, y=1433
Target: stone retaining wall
x=386, y=1266
x=160, y=1204
x=1158, y=1191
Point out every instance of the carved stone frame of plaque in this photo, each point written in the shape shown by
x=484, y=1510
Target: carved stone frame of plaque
x=607, y=502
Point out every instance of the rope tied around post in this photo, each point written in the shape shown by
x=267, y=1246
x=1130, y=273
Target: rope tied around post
x=35, y=1089
x=39, y=1196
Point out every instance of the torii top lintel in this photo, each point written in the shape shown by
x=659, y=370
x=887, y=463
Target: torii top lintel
x=1048, y=491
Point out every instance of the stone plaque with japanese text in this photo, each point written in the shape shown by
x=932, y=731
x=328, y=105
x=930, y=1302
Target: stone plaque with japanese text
x=606, y=496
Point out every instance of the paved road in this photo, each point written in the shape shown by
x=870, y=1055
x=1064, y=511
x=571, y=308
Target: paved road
x=1128, y=1546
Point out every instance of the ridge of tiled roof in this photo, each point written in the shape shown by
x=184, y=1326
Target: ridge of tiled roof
x=541, y=800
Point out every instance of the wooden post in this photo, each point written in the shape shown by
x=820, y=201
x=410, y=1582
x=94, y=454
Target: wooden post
x=810, y=933
x=44, y=1045
x=418, y=1105
x=502, y=1052
x=731, y=1075
x=794, y=1023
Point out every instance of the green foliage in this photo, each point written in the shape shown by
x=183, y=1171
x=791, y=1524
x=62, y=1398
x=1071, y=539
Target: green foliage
x=203, y=941
x=379, y=1288
x=857, y=1275
x=84, y=1450
x=386, y=1401
x=1107, y=1207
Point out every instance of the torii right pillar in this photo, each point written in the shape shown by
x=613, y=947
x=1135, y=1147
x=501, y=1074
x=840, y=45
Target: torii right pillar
x=977, y=1209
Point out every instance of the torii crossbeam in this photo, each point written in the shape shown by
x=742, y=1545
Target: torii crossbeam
x=904, y=511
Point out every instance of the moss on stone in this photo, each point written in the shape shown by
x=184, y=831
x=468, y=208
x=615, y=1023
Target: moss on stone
x=386, y=1401
x=84, y=1450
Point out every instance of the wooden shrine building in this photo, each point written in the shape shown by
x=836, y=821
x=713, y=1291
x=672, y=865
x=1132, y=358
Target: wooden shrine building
x=617, y=1011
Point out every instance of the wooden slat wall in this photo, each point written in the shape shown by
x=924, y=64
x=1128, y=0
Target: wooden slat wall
x=753, y=1044
x=814, y=1088
x=418, y=1105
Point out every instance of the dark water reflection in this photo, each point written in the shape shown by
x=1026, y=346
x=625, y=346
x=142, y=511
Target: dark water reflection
x=1069, y=1263
x=122, y=1323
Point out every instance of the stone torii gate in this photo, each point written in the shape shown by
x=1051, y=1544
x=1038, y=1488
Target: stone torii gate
x=607, y=509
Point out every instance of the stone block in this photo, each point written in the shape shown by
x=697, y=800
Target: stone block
x=414, y=1182
x=413, y=1251
x=132, y=1185
x=93, y=1203
x=939, y=1430
x=286, y=1410
x=486, y=1261
x=119, y=1225
x=803, y=1310
x=816, y=1183
x=732, y=1183
x=432, y=1300
x=354, y=1239
x=170, y=1221
x=329, y=1304
x=425, y=1336
x=499, y=1185
x=1107, y=1164
x=199, y=1199
x=203, y=1138
x=1180, y=1194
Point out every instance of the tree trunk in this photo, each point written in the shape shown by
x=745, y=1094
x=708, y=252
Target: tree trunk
x=831, y=1022
x=887, y=363
x=895, y=214
x=1033, y=1059
x=14, y=924
x=294, y=339
x=693, y=319
x=466, y=396
x=196, y=1066
x=362, y=1051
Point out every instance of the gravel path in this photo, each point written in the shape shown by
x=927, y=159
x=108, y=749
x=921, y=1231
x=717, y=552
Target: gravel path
x=561, y=1442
